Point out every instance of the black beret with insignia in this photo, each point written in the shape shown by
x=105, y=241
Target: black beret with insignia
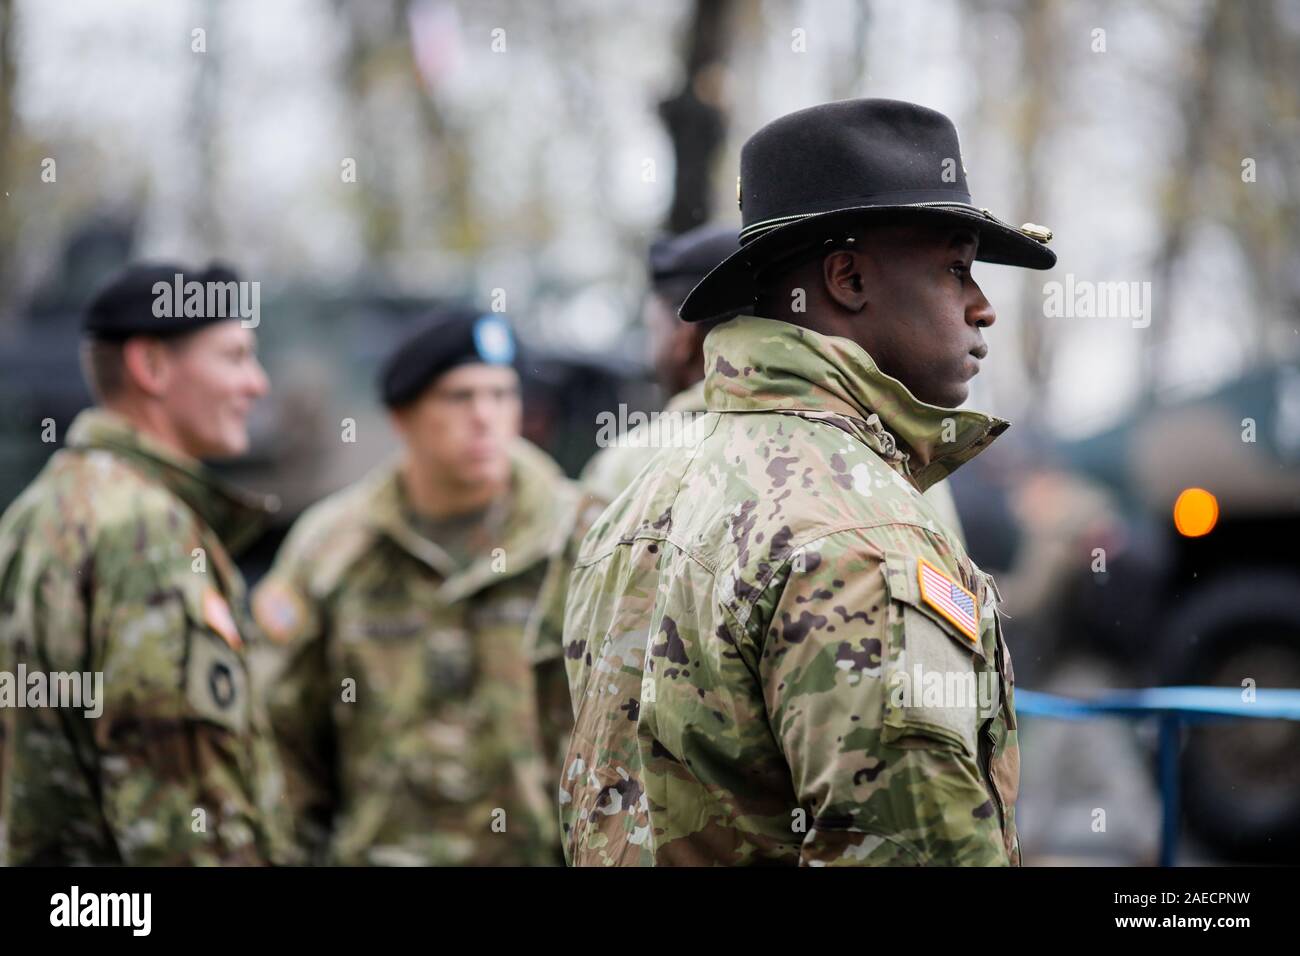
x=453, y=336
x=160, y=299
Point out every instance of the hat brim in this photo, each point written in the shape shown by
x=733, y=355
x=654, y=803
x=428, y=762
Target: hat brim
x=730, y=287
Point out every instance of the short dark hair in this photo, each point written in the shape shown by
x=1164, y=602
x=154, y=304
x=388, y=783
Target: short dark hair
x=103, y=362
x=103, y=367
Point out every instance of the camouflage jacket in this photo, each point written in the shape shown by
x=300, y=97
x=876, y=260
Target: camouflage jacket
x=612, y=469
x=416, y=724
x=112, y=562
x=755, y=627
x=606, y=475
x=608, y=472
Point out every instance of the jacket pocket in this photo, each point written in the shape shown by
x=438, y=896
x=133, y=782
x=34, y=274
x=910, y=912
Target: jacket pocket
x=937, y=682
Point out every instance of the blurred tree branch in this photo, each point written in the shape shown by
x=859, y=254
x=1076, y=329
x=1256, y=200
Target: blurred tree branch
x=695, y=117
x=1182, y=197
x=203, y=120
x=1266, y=213
x=1037, y=107
x=381, y=81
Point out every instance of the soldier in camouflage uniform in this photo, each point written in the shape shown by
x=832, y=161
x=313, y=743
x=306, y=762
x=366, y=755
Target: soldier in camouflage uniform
x=116, y=560
x=416, y=724
x=777, y=650
x=677, y=265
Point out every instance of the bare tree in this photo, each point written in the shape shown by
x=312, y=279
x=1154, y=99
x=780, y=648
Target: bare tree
x=1183, y=197
x=203, y=124
x=695, y=116
x=1036, y=110
x=1265, y=209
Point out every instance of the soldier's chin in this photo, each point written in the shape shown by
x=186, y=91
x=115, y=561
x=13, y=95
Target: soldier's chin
x=949, y=396
x=484, y=471
x=228, y=443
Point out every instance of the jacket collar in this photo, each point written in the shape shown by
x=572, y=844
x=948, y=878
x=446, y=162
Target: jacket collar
x=688, y=399
x=540, y=504
x=236, y=517
x=755, y=364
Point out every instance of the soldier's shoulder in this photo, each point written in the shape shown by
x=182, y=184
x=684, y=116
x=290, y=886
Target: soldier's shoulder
x=612, y=469
x=324, y=542
x=96, y=497
x=642, y=483
x=643, y=506
x=828, y=476
x=342, y=521
x=784, y=483
x=548, y=499
x=540, y=470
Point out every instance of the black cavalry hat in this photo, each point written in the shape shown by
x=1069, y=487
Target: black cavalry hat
x=813, y=175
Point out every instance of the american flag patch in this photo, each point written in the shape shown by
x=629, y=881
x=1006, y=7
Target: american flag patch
x=948, y=597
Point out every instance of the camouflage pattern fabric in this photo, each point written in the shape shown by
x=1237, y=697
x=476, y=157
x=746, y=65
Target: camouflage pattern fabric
x=743, y=623
x=608, y=472
x=416, y=723
x=113, y=561
x=611, y=470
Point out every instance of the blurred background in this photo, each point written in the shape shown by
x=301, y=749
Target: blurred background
x=362, y=160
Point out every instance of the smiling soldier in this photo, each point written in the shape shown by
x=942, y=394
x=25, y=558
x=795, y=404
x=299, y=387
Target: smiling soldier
x=116, y=561
x=741, y=622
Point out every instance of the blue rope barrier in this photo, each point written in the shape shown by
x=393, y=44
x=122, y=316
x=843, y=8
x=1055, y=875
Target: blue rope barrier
x=1173, y=707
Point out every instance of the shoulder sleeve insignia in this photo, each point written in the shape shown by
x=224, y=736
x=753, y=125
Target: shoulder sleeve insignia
x=216, y=614
x=278, y=610
x=953, y=602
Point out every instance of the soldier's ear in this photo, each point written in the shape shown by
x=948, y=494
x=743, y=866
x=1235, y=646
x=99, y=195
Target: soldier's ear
x=148, y=364
x=400, y=419
x=842, y=274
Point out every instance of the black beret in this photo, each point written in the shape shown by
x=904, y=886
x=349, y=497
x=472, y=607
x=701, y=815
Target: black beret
x=131, y=301
x=452, y=336
x=693, y=254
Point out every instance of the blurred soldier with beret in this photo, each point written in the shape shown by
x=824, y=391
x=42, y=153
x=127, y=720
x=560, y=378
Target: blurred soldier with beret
x=116, y=562
x=676, y=263
x=408, y=709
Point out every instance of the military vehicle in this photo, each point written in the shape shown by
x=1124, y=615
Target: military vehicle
x=1216, y=604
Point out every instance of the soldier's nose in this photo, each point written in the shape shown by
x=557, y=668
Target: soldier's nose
x=981, y=313
x=260, y=383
